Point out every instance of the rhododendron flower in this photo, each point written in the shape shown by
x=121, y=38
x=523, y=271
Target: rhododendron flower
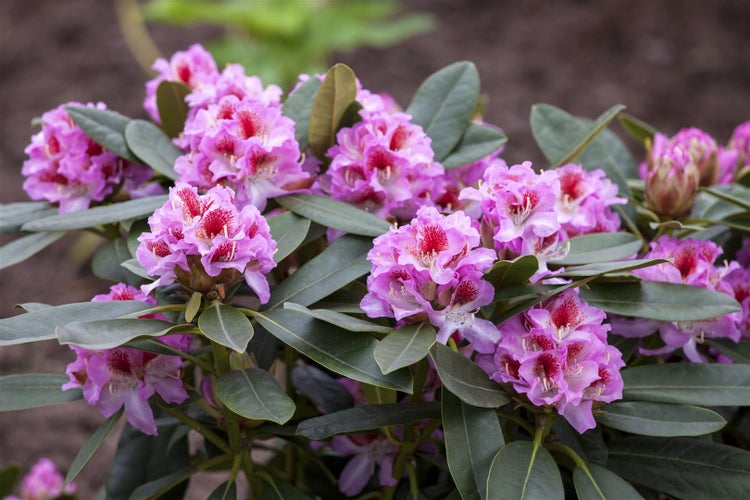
x=233, y=81
x=383, y=164
x=245, y=144
x=671, y=183
x=432, y=269
x=43, y=482
x=692, y=263
x=125, y=377
x=557, y=355
x=204, y=241
x=65, y=166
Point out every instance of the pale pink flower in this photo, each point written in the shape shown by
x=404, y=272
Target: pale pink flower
x=44, y=482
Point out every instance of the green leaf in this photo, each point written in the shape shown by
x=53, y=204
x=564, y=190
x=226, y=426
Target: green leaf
x=107, y=262
x=32, y=390
x=338, y=265
x=278, y=489
x=289, y=231
x=739, y=352
x=338, y=350
x=227, y=326
x=9, y=477
x=152, y=146
x=334, y=214
x=254, y=394
x=444, y=104
x=298, y=107
x=341, y=320
x=336, y=93
x=600, y=484
x=193, y=306
x=321, y=388
x=477, y=142
x=688, y=383
x=472, y=439
x=109, y=333
x=105, y=214
x=683, y=467
x=367, y=417
x=104, y=126
x=41, y=323
x=141, y=459
x=225, y=491
x=659, y=300
x=136, y=268
x=507, y=273
x=660, y=419
x=170, y=101
x=600, y=247
x=15, y=215
x=22, y=248
x=638, y=129
x=465, y=379
x=604, y=268
x=92, y=445
x=739, y=196
x=404, y=346
x=524, y=470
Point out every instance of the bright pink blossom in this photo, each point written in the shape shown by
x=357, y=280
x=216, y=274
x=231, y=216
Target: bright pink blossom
x=43, y=482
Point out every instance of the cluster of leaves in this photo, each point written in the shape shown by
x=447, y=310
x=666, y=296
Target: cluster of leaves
x=679, y=429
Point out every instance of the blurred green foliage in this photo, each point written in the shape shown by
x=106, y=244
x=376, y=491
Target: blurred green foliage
x=279, y=39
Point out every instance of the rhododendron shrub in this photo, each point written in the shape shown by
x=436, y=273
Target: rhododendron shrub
x=327, y=294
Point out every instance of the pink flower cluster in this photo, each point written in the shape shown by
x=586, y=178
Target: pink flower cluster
x=740, y=143
x=692, y=263
x=557, y=355
x=431, y=269
x=43, y=482
x=65, y=166
x=204, y=240
x=245, y=144
x=125, y=377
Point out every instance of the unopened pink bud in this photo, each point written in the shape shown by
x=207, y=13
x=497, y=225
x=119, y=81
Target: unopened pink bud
x=671, y=184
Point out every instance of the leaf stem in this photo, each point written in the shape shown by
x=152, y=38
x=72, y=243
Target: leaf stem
x=199, y=428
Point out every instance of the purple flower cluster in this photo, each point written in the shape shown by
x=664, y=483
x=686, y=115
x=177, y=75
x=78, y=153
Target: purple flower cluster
x=383, y=164
x=124, y=377
x=245, y=144
x=431, y=269
x=691, y=263
x=43, y=482
x=557, y=355
x=65, y=166
x=204, y=240
x=740, y=143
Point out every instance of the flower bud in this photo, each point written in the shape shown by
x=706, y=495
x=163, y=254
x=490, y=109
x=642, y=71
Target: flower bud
x=703, y=153
x=671, y=184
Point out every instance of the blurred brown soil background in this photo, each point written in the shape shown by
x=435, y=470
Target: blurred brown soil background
x=672, y=63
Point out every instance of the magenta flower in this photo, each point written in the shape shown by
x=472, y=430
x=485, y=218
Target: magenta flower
x=432, y=269
x=203, y=241
x=43, y=482
x=233, y=81
x=740, y=143
x=124, y=377
x=65, y=166
x=245, y=144
x=557, y=355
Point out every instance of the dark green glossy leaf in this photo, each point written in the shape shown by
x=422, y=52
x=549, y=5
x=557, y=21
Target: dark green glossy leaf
x=341, y=320
x=170, y=101
x=97, y=216
x=351, y=116
x=465, y=379
x=227, y=326
x=320, y=388
x=737, y=352
x=336, y=93
x=404, y=346
x=738, y=196
x=32, y=390
x=254, y=394
x=338, y=265
x=524, y=470
x=152, y=146
x=133, y=266
x=682, y=467
x=92, y=445
x=277, y=489
x=367, y=417
x=688, y=383
x=22, y=248
x=334, y=214
x=659, y=300
x=299, y=106
x=107, y=263
x=41, y=323
x=477, y=142
x=472, y=439
x=444, y=104
x=600, y=247
x=289, y=231
x=15, y=215
x=638, y=129
x=225, y=491
x=604, y=268
x=660, y=419
x=104, y=126
x=109, y=333
x=600, y=484
x=507, y=273
x=336, y=349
